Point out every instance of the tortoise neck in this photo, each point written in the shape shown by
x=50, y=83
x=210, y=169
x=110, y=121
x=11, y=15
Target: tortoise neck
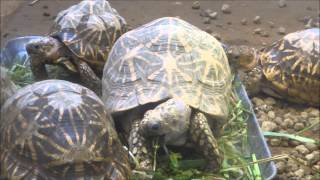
x=255, y=63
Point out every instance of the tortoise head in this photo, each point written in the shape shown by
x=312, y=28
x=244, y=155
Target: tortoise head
x=242, y=57
x=245, y=61
x=170, y=119
x=46, y=49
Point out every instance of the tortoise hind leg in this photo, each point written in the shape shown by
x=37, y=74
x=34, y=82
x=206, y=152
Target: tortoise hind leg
x=88, y=77
x=139, y=147
x=202, y=137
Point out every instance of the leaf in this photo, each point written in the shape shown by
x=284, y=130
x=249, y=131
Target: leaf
x=174, y=160
x=256, y=168
x=290, y=136
x=192, y=164
x=21, y=75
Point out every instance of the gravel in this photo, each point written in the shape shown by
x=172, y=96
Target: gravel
x=279, y=116
x=264, y=34
x=288, y=123
x=206, y=20
x=271, y=24
x=244, y=21
x=257, y=31
x=282, y=30
x=312, y=147
x=269, y=126
x=299, y=126
x=196, y=5
x=271, y=115
x=213, y=15
x=304, y=115
x=206, y=12
x=281, y=166
x=257, y=20
x=302, y=149
x=282, y=3
x=278, y=120
x=275, y=142
x=313, y=112
x=311, y=158
x=46, y=14
x=257, y=101
x=270, y=101
x=208, y=29
x=226, y=9
x=300, y=173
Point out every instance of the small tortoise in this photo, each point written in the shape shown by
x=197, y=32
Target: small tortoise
x=8, y=88
x=56, y=129
x=168, y=58
x=289, y=68
x=80, y=40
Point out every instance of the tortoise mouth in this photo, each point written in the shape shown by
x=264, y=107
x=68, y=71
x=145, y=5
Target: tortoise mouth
x=32, y=49
x=153, y=133
x=152, y=128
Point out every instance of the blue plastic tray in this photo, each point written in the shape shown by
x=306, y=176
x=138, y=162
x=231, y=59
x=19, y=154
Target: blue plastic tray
x=257, y=143
x=14, y=52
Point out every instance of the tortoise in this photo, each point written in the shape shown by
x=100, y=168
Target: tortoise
x=288, y=69
x=168, y=73
x=55, y=129
x=80, y=40
x=8, y=88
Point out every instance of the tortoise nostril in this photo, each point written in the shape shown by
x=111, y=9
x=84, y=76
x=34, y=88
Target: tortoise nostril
x=33, y=48
x=155, y=126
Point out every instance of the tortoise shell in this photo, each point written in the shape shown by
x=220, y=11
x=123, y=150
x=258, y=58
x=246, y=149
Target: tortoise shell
x=89, y=29
x=166, y=58
x=8, y=88
x=292, y=66
x=59, y=130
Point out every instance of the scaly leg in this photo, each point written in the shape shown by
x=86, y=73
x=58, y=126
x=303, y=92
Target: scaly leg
x=202, y=137
x=139, y=147
x=88, y=77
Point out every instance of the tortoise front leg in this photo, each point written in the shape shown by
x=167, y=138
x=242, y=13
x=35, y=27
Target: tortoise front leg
x=139, y=147
x=88, y=77
x=202, y=137
x=38, y=69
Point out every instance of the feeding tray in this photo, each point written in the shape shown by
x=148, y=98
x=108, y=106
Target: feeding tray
x=15, y=53
x=256, y=141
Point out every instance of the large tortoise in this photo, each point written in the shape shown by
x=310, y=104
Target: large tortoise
x=8, y=88
x=168, y=58
x=55, y=129
x=80, y=40
x=289, y=68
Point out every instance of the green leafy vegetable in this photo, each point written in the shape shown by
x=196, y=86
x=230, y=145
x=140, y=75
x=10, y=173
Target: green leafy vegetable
x=21, y=75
